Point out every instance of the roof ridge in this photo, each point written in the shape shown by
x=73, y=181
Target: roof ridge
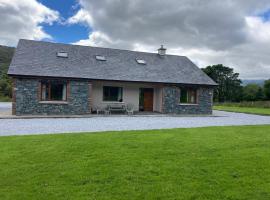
x=98, y=47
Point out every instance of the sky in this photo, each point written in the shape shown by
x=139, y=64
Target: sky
x=235, y=33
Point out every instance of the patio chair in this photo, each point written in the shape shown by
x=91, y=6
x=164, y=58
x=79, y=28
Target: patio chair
x=98, y=109
x=130, y=109
x=107, y=110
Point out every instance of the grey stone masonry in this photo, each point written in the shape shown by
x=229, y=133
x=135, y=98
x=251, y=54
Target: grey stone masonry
x=171, y=101
x=27, y=99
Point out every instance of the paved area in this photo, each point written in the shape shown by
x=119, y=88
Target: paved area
x=5, y=108
x=114, y=123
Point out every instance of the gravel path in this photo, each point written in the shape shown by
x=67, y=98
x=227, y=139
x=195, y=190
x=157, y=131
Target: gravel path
x=114, y=123
x=5, y=108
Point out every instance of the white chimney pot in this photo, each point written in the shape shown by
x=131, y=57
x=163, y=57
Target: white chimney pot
x=162, y=51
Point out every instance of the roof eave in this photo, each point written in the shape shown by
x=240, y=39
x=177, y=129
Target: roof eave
x=93, y=79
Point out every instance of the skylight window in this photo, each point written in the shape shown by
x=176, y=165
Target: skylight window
x=141, y=61
x=101, y=58
x=62, y=54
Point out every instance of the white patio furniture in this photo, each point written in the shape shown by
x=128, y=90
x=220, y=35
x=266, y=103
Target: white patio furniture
x=98, y=109
x=117, y=107
x=130, y=109
x=107, y=110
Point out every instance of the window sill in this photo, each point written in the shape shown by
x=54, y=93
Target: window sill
x=53, y=102
x=188, y=104
x=116, y=102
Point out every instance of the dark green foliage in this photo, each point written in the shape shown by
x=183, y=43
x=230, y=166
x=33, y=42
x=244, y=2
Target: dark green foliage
x=229, y=88
x=260, y=94
x=267, y=89
x=6, y=54
x=252, y=92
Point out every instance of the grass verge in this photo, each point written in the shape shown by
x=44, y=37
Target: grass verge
x=198, y=163
x=259, y=111
x=5, y=99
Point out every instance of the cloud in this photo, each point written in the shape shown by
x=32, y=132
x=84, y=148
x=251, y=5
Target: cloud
x=258, y=29
x=81, y=17
x=209, y=32
x=23, y=19
x=96, y=39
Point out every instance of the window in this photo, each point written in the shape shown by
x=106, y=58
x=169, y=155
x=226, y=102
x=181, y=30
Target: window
x=101, y=58
x=141, y=61
x=53, y=91
x=112, y=93
x=62, y=54
x=188, y=96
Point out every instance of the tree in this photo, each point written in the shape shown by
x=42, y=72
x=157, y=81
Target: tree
x=267, y=89
x=6, y=54
x=5, y=85
x=260, y=94
x=252, y=92
x=229, y=85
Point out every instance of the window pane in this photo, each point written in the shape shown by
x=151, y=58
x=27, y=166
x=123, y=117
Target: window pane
x=192, y=94
x=53, y=91
x=112, y=93
x=64, y=95
x=57, y=91
x=188, y=96
x=44, y=91
x=183, y=96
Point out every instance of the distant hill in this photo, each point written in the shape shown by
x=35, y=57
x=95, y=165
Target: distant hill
x=254, y=81
x=6, y=54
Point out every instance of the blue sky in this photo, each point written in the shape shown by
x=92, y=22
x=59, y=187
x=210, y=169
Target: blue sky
x=265, y=15
x=65, y=33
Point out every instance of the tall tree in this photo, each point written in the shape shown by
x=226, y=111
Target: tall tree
x=266, y=88
x=6, y=54
x=252, y=92
x=260, y=94
x=229, y=85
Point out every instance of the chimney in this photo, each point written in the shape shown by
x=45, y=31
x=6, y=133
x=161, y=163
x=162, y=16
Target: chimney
x=162, y=51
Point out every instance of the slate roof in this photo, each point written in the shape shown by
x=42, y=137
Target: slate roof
x=36, y=58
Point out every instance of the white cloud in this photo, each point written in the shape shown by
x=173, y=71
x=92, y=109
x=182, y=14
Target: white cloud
x=258, y=29
x=209, y=32
x=22, y=19
x=82, y=16
x=96, y=39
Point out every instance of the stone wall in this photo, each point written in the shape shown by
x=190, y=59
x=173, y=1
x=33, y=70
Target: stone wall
x=27, y=99
x=171, y=103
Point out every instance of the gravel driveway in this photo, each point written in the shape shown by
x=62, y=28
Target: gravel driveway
x=114, y=123
x=5, y=108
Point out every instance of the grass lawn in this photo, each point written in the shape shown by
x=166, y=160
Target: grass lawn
x=5, y=99
x=260, y=111
x=199, y=163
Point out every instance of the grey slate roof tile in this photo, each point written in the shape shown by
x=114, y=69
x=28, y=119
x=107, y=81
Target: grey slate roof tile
x=36, y=58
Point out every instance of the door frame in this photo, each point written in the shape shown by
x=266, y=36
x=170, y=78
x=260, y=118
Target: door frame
x=141, y=98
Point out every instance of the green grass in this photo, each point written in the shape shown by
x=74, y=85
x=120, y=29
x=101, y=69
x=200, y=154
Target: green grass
x=249, y=104
x=5, y=99
x=200, y=163
x=259, y=111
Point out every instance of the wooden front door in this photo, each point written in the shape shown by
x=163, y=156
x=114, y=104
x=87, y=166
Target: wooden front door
x=148, y=99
